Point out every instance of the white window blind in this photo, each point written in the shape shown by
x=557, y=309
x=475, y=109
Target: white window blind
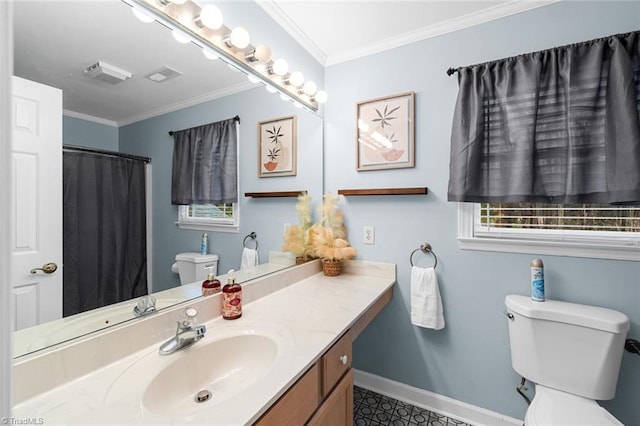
x=222, y=213
x=580, y=230
x=582, y=217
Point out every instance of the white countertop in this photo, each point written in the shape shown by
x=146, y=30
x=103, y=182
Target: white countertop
x=306, y=317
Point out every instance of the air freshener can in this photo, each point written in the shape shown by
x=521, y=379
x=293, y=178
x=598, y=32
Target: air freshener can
x=537, y=280
x=203, y=244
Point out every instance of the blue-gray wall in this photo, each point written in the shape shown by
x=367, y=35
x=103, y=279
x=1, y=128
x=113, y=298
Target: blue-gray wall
x=264, y=216
x=80, y=132
x=469, y=360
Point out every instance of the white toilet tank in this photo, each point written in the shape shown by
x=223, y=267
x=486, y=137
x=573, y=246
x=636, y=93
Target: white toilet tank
x=566, y=346
x=192, y=267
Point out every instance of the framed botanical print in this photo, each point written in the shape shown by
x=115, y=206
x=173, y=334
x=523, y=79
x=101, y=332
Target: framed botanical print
x=277, y=140
x=385, y=132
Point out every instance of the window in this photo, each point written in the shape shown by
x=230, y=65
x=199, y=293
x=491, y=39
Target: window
x=209, y=217
x=581, y=230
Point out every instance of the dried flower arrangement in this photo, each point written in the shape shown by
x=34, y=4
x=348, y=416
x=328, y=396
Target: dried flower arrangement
x=326, y=239
x=296, y=238
x=329, y=236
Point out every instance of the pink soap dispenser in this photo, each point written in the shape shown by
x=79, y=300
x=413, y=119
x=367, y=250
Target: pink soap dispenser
x=231, y=299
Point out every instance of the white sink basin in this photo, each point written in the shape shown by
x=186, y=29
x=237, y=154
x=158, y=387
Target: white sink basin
x=219, y=370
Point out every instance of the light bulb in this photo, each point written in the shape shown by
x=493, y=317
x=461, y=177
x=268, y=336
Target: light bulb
x=210, y=54
x=262, y=53
x=310, y=88
x=280, y=67
x=180, y=37
x=296, y=79
x=142, y=16
x=239, y=38
x=210, y=17
x=321, y=96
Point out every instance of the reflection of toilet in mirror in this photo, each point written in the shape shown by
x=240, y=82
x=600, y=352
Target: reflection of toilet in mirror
x=572, y=353
x=192, y=267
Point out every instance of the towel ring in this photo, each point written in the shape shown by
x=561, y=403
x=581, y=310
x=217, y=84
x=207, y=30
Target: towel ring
x=253, y=236
x=425, y=248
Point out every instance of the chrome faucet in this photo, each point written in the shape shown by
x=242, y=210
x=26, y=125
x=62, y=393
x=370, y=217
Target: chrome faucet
x=186, y=333
x=145, y=306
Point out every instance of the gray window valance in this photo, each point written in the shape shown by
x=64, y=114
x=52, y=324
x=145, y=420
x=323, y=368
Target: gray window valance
x=205, y=164
x=556, y=126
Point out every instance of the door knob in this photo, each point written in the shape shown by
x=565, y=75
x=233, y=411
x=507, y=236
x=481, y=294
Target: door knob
x=47, y=268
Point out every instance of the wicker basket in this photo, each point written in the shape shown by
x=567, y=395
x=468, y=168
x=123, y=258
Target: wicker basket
x=300, y=260
x=331, y=267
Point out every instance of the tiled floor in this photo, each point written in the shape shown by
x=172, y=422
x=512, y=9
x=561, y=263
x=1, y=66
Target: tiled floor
x=372, y=409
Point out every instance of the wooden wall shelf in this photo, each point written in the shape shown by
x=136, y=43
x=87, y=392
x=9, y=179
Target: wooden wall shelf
x=274, y=194
x=383, y=191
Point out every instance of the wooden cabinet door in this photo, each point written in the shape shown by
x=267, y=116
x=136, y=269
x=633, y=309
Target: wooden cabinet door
x=337, y=409
x=297, y=404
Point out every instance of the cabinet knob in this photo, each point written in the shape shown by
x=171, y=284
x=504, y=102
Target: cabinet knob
x=344, y=359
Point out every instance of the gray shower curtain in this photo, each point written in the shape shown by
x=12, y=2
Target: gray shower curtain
x=104, y=227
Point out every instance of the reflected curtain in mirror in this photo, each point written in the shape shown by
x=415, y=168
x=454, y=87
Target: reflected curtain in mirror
x=104, y=225
x=205, y=164
x=556, y=126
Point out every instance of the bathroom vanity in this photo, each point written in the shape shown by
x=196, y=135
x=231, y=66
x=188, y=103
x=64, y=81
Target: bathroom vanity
x=287, y=360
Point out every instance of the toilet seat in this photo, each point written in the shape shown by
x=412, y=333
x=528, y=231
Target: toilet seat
x=553, y=407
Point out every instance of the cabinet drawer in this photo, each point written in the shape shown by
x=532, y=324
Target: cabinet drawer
x=335, y=362
x=297, y=404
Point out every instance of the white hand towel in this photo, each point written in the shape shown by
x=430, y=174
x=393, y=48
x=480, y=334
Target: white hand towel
x=249, y=258
x=426, y=305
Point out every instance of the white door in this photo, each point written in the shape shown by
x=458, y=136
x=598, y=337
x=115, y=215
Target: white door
x=36, y=202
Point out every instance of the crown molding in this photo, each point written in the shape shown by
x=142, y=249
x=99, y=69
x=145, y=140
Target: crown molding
x=87, y=117
x=472, y=19
x=231, y=90
x=282, y=19
x=476, y=18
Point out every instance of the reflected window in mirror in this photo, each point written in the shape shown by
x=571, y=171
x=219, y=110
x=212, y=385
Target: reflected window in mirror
x=205, y=176
x=209, y=217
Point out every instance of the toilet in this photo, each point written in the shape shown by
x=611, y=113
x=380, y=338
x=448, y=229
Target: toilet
x=572, y=353
x=192, y=267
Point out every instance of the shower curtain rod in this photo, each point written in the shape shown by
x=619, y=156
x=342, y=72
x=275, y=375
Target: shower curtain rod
x=105, y=152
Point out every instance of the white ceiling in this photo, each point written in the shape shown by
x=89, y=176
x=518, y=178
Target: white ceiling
x=56, y=52
x=54, y=41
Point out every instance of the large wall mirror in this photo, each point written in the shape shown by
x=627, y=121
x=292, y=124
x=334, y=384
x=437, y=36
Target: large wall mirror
x=54, y=41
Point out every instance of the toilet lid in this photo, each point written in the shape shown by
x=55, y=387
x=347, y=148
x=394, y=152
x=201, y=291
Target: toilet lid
x=552, y=407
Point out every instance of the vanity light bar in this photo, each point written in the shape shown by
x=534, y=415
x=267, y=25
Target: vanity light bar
x=235, y=49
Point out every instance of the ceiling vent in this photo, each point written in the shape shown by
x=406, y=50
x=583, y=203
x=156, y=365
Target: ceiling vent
x=163, y=74
x=107, y=73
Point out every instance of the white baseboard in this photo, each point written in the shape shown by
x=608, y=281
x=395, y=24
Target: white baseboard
x=432, y=401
